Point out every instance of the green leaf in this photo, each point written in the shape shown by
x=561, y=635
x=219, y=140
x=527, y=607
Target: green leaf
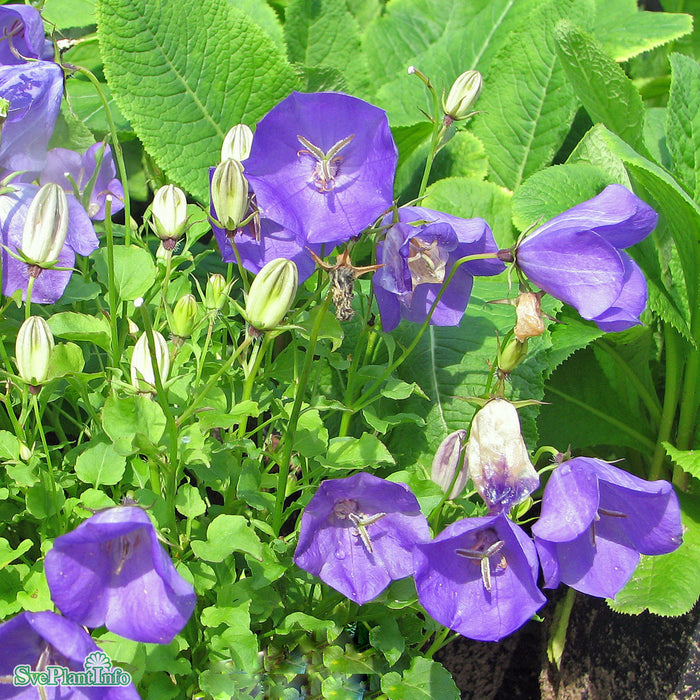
x=70, y=132
x=608, y=95
x=308, y=623
x=41, y=503
x=237, y=636
x=324, y=33
x=625, y=32
x=227, y=534
x=8, y=554
x=356, y=453
x=441, y=37
x=88, y=107
x=100, y=465
x=220, y=419
x=264, y=16
x=75, y=326
x=348, y=661
x=9, y=446
x=311, y=437
x=428, y=493
x=553, y=190
x=125, y=419
x=134, y=270
x=189, y=503
x=668, y=584
x=683, y=122
x=527, y=104
x=387, y=638
x=183, y=82
x=463, y=156
x=66, y=359
x=69, y=13
x=687, y=460
x=424, y=680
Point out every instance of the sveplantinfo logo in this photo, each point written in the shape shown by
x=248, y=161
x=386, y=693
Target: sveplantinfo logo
x=98, y=671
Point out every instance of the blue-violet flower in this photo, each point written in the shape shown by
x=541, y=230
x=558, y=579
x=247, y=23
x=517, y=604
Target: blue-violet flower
x=22, y=35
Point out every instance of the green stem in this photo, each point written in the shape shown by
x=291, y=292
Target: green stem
x=672, y=342
x=28, y=301
x=557, y=637
x=260, y=352
x=52, y=477
x=438, y=642
x=294, y=416
x=689, y=401
x=112, y=287
x=438, y=131
x=205, y=349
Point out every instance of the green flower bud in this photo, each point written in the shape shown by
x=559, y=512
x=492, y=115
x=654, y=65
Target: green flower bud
x=449, y=461
x=462, y=96
x=216, y=293
x=511, y=355
x=184, y=316
x=229, y=194
x=271, y=295
x=33, y=350
x=46, y=225
x=237, y=143
x=169, y=213
x=141, y=367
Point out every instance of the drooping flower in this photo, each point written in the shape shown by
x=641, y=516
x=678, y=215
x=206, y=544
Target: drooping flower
x=92, y=188
x=357, y=534
x=34, y=91
x=499, y=464
x=417, y=256
x=449, y=469
x=22, y=35
x=50, y=283
x=42, y=639
x=596, y=520
x=111, y=570
x=322, y=166
x=479, y=577
x=578, y=257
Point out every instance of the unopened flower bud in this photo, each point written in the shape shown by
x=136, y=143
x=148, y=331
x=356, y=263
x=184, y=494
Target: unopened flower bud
x=141, y=366
x=499, y=464
x=33, y=350
x=184, y=316
x=237, y=143
x=449, y=464
x=216, y=293
x=271, y=294
x=25, y=452
x=46, y=225
x=229, y=194
x=529, y=322
x=462, y=96
x=169, y=214
x=511, y=355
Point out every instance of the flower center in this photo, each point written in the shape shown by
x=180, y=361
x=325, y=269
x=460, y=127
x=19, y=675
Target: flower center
x=349, y=509
x=485, y=546
x=121, y=548
x=426, y=262
x=327, y=164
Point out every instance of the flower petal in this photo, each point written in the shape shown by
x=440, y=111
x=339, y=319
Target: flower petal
x=625, y=311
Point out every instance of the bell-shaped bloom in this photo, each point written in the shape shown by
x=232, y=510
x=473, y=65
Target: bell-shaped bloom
x=34, y=91
x=22, y=35
x=92, y=188
x=322, y=165
x=596, y=520
x=357, y=534
x=32, y=641
x=50, y=283
x=499, y=464
x=479, y=577
x=112, y=571
x=449, y=470
x=417, y=256
x=578, y=257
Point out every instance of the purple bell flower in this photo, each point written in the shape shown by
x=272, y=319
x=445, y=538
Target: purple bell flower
x=596, y=520
x=34, y=91
x=417, y=256
x=112, y=570
x=357, y=534
x=578, y=257
x=81, y=169
x=22, y=35
x=41, y=639
x=51, y=283
x=322, y=165
x=479, y=577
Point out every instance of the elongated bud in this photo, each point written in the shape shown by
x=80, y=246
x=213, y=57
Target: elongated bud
x=46, y=225
x=141, y=367
x=449, y=464
x=169, y=214
x=499, y=464
x=184, y=316
x=528, y=310
x=511, y=355
x=216, y=293
x=271, y=295
x=229, y=194
x=33, y=350
x=237, y=143
x=462, y=96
